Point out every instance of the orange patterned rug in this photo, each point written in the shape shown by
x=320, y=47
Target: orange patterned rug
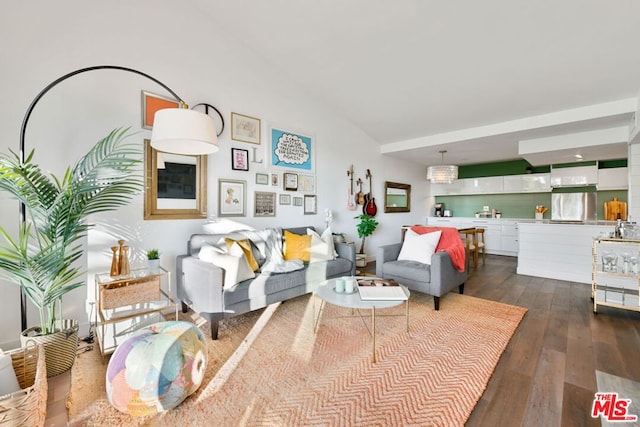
x=279, y=372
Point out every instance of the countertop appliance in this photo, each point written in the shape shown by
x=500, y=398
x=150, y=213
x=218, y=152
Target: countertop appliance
x=439, y=209
x=574, y=207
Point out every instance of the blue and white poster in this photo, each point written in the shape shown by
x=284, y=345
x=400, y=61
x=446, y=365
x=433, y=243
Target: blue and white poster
x=291, y=150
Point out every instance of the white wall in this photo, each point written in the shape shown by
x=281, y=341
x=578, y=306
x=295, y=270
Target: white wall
x=174, y=43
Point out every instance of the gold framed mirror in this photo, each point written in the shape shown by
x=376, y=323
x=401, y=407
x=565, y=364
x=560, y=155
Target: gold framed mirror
x=175, y=185
x=397, y=197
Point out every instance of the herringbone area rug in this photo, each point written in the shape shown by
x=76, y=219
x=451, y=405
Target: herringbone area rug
x=432, y=375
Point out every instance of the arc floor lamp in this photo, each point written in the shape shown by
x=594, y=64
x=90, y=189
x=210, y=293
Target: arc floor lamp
x=175, y=130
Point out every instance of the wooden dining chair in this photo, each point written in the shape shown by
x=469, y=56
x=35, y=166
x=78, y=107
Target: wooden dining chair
x=480, y=246
x=470, y=246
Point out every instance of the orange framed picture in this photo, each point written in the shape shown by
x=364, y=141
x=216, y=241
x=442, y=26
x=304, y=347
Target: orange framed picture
x=152, y=103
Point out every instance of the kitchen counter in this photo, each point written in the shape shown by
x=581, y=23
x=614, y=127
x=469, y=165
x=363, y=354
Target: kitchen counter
x=544, y=248
x=558, y=251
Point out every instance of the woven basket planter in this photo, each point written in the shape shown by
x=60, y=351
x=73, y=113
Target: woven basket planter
x=60, y=347
x=28, y=406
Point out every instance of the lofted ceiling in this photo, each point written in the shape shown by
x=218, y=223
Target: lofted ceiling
x=472, y=78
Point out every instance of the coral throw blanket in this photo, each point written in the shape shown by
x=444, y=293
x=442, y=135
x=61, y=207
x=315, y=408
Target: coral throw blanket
x=450, y=242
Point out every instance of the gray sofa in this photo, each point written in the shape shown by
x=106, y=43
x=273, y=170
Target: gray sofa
x=199, y=284
x=436, y=279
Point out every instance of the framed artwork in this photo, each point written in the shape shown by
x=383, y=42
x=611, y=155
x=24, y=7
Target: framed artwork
x=285, y=199
x=245, y=128
x=264, y=204
x=291, y=150
x=290, y=181
x=262, y=178
x=274, y=179
x=239, y=159
x=232, y=197
x=152, y=103
x=310, y=204
x=297, y=201
x=306, y=183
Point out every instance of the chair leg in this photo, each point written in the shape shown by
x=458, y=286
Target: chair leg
x=214, y=329
x=436, y=303
x=461, y=288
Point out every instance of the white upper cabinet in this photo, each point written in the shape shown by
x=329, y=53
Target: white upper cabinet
x=613, y=179
x=574, y=176
x=447, y=189
x=530, y=183
x=485, y=185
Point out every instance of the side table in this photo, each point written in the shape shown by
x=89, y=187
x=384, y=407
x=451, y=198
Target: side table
x=126, y=303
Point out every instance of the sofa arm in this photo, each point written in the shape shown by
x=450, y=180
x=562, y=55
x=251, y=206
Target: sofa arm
x=347, y=251
x=200, y=284
x=444, y=276
x=386, y=253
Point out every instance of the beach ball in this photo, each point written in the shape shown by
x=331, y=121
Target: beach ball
x=157, y=368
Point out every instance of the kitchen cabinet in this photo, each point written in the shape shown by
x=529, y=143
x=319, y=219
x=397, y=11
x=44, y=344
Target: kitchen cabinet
x=615, y=282
x=529, y=183
x=613, y=179
x=484, y=185
x=574, y=176
x=509, y=238
x=493, y=232
x=452, y=189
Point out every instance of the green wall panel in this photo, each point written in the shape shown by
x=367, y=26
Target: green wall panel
x=515, y=205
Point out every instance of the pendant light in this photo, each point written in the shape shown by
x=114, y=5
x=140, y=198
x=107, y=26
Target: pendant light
x=442, y=174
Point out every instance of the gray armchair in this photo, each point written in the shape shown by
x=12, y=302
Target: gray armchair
x=436, y=279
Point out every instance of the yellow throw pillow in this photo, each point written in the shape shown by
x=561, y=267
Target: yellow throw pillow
x=245, y=244
x=297, y=246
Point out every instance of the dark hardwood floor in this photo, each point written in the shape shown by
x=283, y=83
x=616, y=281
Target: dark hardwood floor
x=546, y=376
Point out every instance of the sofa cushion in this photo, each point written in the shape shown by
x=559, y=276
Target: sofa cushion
x=245, y=245
x=234, y=263
x=412, y=270
x=419, y=247
x=297, y=246
x=322, y=248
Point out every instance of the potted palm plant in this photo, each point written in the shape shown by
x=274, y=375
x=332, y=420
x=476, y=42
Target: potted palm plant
x=42, y=258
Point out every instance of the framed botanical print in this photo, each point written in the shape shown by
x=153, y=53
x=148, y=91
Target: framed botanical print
x=231, y=197
x=245, y=128
x=290, y=181
x=239, y=159
x=264, y=204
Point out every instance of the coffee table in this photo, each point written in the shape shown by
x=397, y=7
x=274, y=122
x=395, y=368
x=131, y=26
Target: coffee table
x=327, y=294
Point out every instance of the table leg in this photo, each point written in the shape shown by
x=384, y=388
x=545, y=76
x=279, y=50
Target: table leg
x=406, y=314
x=373, y=333
x=315, y=326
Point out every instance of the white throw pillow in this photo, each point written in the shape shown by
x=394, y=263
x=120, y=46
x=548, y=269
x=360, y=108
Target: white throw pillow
x=322, y=248
x=235, y=264
x=223, y=226
x=419, y=247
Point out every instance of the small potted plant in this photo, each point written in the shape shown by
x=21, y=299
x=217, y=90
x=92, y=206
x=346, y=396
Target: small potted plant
x=365, y=227
x=153, y=259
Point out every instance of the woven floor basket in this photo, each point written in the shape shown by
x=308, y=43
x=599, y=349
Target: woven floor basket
x=28, y=406
x=60, y=347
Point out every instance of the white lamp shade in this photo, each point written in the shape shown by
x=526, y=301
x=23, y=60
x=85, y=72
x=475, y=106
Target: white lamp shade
x=184, y=131
x=442, y=174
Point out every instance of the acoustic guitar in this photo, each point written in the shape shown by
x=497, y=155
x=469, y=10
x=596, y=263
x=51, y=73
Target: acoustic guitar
x=370, y=207
x=360, y=195
x=351, y=203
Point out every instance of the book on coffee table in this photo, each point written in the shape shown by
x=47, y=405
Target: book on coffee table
x=380, y=290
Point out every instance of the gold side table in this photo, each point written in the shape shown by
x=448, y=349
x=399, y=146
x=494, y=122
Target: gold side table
x=125, y=304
